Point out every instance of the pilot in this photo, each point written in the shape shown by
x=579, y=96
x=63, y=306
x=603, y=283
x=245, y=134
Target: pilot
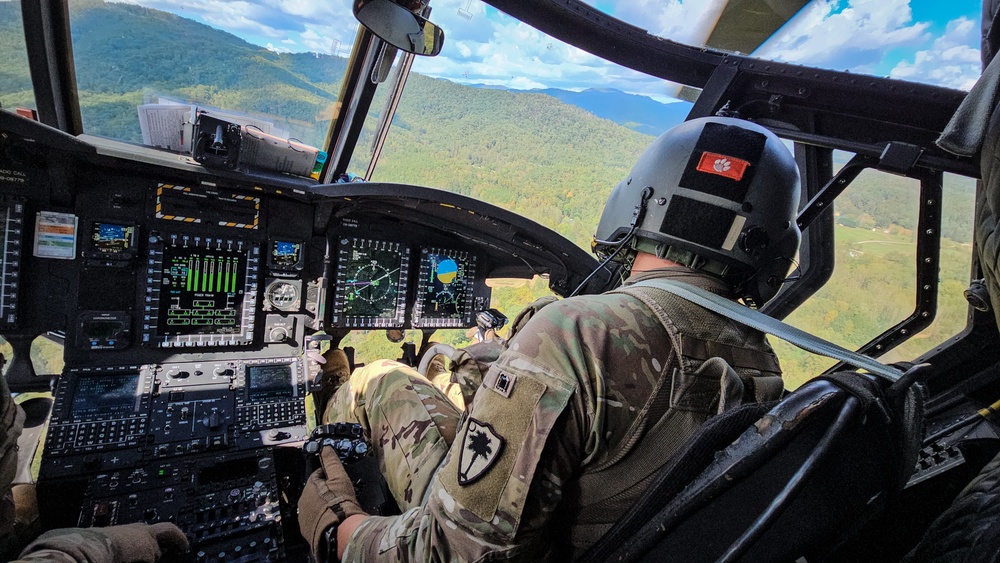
x=558, y=441
x=114, y=544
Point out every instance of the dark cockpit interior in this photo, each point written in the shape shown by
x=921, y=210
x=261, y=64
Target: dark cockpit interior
x=192, y=300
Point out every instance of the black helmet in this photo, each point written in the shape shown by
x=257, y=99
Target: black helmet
x=716, y=194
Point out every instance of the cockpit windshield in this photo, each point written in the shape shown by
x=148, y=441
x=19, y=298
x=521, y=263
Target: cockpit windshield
x=280, y=64
x=278, y=67
x=505, y=113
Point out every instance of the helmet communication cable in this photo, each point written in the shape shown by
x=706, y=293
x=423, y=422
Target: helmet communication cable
x=637, y=214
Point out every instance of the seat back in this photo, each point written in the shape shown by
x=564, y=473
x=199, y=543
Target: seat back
x=796, y=482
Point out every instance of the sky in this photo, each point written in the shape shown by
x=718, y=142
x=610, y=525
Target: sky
x=930, y=41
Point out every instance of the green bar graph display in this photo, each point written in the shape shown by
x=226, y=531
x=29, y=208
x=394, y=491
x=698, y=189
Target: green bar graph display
x=202, y=287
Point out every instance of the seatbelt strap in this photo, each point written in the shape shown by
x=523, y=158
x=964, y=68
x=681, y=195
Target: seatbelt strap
x=760, y=321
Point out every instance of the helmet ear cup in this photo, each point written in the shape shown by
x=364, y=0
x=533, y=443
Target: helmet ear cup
x=721, y=195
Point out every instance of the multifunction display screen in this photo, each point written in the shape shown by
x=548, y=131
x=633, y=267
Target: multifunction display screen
x=106, y=397
x=285, y=256
x=445, y=289
x=270, y=382
x=371, y=284
x=202, y=293
x=113, y=239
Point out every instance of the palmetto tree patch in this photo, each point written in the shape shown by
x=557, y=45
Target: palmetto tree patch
x=481, y=448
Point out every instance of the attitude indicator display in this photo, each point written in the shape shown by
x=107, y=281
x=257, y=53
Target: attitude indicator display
x=11, y=230
x=371, y=284
x=112, y=241
x=200, y=291
x=445, y=289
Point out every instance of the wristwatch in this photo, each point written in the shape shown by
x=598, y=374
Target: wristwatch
x=329, y=550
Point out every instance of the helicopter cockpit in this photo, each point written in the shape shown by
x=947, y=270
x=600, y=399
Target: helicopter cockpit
x=170, y=283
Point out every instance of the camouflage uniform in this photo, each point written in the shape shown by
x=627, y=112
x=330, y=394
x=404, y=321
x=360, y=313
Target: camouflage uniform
x=521, y=474
x=11, y=423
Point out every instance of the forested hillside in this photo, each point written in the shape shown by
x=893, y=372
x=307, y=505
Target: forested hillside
x=525, y=151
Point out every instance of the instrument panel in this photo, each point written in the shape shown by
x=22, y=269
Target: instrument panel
x=184, y=298
x=392, y=284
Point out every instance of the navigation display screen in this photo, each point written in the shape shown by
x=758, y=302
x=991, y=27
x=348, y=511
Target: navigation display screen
x=111, y=239
x=270, y=382
x=106, y=396
x=371, y=284
x=445, y=288
x=203, y=294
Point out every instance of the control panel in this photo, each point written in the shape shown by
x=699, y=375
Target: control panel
x=189, y=442
x=227, y=504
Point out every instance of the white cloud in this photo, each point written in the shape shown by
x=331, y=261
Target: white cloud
x=315, y=42
x=950, y=61
x=855, y=38
x=687, y=21
x=495, y=49
x=239, y=22
x=315, y=26
x=273, y=48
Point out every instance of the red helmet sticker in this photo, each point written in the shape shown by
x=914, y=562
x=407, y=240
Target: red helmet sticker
x=722, y=165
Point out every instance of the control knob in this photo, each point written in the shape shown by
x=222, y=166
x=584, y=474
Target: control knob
x=278, y=334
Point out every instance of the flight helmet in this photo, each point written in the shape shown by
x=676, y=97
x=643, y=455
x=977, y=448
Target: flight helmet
x=716, y=194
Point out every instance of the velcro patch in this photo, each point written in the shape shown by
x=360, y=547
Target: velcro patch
x=724, y=161
x=481, y=448
x=521, y=422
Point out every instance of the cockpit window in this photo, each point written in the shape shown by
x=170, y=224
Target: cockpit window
x=15, y=79
x=917, y=40
x=276, y=66
x=873, y=286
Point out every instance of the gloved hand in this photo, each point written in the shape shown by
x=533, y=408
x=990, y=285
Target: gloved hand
x=129, y=543
x=327, y=499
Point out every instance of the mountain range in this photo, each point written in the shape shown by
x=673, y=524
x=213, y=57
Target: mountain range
x=639, y=113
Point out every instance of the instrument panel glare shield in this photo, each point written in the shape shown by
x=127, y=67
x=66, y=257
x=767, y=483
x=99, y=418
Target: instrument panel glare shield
x=371, y=284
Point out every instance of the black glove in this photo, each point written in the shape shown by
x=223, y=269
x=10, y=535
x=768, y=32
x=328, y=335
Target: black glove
x=327, y=500
x=116, y=544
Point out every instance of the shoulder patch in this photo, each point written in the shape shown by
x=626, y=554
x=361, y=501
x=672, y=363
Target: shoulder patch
x=481, y=448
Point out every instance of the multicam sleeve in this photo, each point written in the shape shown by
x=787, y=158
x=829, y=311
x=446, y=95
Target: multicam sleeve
x=501, y=481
